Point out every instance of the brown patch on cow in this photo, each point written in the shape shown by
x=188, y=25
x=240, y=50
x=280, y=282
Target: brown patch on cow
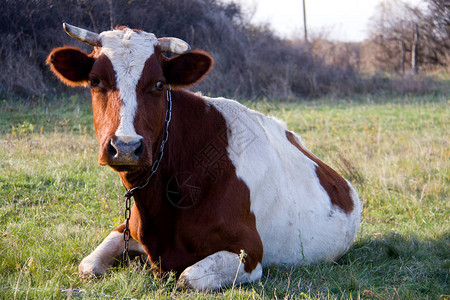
x=106, y=105
x=336, y=186
x=177, y=237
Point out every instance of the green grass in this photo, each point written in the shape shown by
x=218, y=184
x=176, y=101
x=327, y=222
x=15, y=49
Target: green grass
x=57, y=204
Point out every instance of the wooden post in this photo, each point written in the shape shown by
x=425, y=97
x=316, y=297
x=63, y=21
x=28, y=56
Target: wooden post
x=402, y=59
x=414, y=50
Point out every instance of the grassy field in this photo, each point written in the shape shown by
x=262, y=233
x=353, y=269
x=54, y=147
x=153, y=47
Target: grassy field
x=57, y=204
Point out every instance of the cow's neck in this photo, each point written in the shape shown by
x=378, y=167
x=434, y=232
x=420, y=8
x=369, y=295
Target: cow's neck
x=196, y=132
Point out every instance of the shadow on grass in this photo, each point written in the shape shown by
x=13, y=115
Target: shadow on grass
x=383, y=266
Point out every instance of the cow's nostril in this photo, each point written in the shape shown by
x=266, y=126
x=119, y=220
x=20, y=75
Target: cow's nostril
x=124, y=150
x=112, y=151
x=139, y=149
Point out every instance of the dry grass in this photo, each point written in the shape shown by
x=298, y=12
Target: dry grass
x=56, y=204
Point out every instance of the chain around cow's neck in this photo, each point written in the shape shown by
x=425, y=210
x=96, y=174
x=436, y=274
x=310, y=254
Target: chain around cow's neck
x=140, y=186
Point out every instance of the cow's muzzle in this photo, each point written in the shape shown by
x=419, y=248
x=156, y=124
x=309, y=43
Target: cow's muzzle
x=122, y=151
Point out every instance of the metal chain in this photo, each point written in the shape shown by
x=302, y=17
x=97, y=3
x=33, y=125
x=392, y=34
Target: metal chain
x=130, y=192
x=126, y=232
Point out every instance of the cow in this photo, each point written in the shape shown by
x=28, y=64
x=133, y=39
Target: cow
x=219, y=190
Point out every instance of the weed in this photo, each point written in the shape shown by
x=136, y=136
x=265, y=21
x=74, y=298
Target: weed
x=22, y=129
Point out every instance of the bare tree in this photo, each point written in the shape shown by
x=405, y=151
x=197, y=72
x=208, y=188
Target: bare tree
x=250, y=61
x=392, y=31
x=412, y=36
x=435, y=33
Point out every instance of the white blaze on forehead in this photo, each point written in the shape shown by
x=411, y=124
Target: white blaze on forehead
x=128, y=51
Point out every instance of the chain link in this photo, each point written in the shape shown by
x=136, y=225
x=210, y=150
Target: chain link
x=130, y=192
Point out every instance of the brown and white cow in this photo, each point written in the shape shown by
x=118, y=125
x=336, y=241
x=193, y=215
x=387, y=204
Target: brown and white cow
x=231, y=179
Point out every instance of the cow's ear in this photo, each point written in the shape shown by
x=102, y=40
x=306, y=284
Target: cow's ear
x=71, y=65
x=187, y=69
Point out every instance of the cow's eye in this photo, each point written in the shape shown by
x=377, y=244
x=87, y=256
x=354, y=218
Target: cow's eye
x=95, y=81
x=159, y=85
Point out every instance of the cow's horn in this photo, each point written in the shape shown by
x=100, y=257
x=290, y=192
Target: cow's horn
x=173, y=45
x=83, y=35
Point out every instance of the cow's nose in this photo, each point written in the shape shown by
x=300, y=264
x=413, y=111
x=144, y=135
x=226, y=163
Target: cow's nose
x=125, y=150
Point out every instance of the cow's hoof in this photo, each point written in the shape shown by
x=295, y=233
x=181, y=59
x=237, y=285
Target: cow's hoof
x=90, y=270
x=198, y=279
x=183, y=284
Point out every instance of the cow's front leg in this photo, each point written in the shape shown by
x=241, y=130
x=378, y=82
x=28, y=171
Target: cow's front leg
x=218, y=270
x=106, y=254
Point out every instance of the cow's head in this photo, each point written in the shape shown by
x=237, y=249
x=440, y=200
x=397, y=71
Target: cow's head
x=128, y=76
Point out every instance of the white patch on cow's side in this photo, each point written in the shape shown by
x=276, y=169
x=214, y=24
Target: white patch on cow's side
x=128, y=51
x=218, y=270
x=295, y=218
x=104, y=256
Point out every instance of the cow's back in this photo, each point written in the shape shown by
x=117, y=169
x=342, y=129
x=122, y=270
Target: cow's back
x=296, y=218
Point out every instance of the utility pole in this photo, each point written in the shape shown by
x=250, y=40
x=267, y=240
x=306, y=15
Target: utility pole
x=111, y=18
x=304, y=21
